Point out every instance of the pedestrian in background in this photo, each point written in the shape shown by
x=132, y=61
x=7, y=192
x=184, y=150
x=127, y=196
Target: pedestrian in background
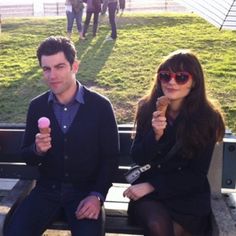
x=93, y=8
x=112, y=8
x=74, y=11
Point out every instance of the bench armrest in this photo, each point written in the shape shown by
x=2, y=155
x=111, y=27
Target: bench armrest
x=9, y=202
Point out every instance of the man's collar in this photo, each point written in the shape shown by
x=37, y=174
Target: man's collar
x=79, y=96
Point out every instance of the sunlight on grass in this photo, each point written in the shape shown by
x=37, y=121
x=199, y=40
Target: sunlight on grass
x=121, y=70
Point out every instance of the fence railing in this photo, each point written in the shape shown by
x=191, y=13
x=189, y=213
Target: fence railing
x=58, y=8
x=17, y=10
x=221, y=13
x=154, y=5
x=54, y=9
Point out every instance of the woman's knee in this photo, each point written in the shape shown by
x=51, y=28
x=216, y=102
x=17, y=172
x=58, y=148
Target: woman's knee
x=180, y=231
x=154, y=227
x=160, y=228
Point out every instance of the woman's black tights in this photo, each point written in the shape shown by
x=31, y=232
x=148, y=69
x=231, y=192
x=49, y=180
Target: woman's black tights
x=153, y=216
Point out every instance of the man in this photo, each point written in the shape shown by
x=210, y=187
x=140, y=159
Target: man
x=76, y=158
x=112, y=8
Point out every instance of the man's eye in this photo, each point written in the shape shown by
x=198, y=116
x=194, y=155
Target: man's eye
x=46, y=69
x=60, y=66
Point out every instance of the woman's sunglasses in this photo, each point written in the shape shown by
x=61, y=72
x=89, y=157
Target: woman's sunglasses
x=181, y=77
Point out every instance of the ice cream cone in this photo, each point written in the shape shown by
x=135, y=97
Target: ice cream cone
x=44, y=125
x=162, y=104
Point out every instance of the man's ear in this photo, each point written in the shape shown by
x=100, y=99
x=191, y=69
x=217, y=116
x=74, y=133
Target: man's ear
x=75, y=66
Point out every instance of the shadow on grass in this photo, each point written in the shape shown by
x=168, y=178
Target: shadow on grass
x=93, y=54
x=18, y=95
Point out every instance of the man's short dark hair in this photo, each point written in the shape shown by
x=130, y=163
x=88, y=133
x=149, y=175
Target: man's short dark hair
x=55, y=44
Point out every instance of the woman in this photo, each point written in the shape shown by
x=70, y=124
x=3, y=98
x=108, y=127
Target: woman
x=93, y=8
x=173, y=197
x=74, y=11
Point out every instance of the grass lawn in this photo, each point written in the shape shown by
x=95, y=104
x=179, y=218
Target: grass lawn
x=121, y=70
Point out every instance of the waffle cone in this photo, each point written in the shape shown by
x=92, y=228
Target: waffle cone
x=162, y=104
x=44, y=130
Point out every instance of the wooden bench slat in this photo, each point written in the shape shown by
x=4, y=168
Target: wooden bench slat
x=18, y=171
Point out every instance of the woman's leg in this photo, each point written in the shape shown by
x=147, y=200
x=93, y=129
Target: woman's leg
x=180, y=231
x=153, y=216
x=70, y=21
x=78, y=18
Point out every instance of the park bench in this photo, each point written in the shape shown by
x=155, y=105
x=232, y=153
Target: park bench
x=11, y=167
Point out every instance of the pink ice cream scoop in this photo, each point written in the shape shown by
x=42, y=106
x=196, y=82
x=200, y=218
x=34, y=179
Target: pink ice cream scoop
x=43, y=125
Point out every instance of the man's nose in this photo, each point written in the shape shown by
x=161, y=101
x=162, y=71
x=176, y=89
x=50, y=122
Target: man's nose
x=52, y=73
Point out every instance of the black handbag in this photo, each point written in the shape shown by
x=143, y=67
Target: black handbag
x=135, y=170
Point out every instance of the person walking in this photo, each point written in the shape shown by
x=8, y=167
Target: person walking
x=74, y=11
x=93, y=8
x=77, y=155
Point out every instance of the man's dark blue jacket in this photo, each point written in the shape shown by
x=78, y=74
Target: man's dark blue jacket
x=87, y=155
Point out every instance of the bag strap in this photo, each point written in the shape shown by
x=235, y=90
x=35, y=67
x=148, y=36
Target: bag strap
x=168, y=156
x=173, y=151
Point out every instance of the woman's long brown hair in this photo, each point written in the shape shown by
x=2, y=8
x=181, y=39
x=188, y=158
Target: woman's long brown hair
x=202, y=122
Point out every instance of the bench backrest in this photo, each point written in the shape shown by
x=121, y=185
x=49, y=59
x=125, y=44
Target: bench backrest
x=221, y=174
x=12, y=166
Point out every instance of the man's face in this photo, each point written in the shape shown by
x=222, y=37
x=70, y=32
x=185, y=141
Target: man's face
x=59, y=75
